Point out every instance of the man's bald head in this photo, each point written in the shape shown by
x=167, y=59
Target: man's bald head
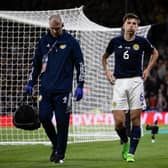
x=55, y=25
x=56, y=18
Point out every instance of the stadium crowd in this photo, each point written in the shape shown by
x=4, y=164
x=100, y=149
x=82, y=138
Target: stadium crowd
x=156, y=86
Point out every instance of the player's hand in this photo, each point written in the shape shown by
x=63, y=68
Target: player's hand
x=145, y=74
x=28, y=89
x=110, y=77
x=79, y=93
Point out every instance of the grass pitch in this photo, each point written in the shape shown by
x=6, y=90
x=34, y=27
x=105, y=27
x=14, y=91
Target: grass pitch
x=88, y=155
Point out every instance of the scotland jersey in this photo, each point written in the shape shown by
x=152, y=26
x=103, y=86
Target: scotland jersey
x=128, y=55
x=54, y=61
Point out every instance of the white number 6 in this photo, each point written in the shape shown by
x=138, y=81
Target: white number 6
x=126, y=55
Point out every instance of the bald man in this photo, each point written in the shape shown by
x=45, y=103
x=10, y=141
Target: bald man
x=56, y=56
x=55, y=25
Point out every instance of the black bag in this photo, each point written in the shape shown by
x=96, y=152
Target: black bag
x=26, y=115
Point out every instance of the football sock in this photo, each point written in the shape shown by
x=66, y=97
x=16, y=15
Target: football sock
x=135, y=137
x=122, y=134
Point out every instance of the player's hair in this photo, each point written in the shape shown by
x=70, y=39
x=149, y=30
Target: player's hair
x=131, y=16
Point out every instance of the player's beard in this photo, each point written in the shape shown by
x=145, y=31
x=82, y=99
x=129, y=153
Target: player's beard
x=129, y=35
x=131, y=32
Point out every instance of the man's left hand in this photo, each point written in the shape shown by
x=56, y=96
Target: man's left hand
x=79, y=93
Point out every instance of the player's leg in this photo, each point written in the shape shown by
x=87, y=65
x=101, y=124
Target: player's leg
x=136, y=104
x=62, y=123
x=127, y=124
x=135, y=134
x=119, y=107
x=45, y=115
x=119, y=118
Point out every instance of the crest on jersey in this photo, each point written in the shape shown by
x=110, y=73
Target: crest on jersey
x=136, y=47
x=39, y=98
x=62, y=46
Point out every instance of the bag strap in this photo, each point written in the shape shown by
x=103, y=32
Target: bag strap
x=27, y=98
x=45, y=56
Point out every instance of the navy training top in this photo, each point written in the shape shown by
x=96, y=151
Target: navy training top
x=61, y=55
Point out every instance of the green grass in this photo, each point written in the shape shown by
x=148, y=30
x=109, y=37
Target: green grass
x=87, y=155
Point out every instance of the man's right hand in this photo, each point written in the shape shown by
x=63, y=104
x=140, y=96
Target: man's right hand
x=110, y=77
x=28, y=89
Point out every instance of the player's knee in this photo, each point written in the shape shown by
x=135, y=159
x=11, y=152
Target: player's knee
x=136, y=121
x=119, y=124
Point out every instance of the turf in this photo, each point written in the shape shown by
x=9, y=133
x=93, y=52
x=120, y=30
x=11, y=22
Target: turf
x=87, y=155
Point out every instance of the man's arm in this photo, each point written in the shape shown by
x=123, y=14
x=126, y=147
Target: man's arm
x=106, y=67
x=36, y=67
x=79, y=64
x=152, y=61
x=80, y=68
